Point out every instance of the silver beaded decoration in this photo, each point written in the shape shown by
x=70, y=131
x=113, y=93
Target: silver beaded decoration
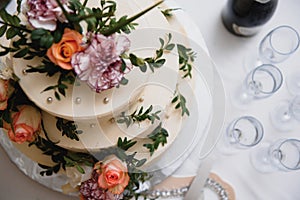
x=106, y=100
x=216, y=187
x=180, y=192
x=78, y=100
x=49, y=100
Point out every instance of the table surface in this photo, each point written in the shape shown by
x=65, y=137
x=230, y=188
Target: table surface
x=228, y=52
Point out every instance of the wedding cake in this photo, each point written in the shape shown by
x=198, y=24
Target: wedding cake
x=94, y=90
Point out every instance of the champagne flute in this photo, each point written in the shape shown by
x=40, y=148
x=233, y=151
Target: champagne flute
x=282, y=155
x=277, y=46
x=261, y=82
x=285, y=116
x=242, y=133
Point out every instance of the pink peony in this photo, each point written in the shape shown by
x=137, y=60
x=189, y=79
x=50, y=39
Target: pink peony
x=45, y=13
x=100, y=64
x=26, y=123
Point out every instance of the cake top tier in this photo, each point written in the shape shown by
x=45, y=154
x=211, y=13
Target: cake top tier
x=81, y=101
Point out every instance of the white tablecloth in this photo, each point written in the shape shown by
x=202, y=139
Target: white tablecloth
x=228, y=52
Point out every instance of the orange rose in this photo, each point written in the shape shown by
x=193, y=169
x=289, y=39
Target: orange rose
x=26, y=122
x=62, y=52
x=113, y=175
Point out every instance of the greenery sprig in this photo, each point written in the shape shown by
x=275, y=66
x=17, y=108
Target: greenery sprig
x=68, y=128
x=65, y=158
x=180, y=103
x=139, y=116
x=159, y=137
x=169, y=12
x=186, y=58
x=61, y=157
x=153, y=62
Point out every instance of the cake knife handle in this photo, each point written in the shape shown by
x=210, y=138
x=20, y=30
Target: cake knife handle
x=195, y=191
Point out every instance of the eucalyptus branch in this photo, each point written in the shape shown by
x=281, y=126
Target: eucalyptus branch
x=68, y=128
x=153, y=62
x=139, y=116
x=180, y=103
x=158, y=137
x=186, y=58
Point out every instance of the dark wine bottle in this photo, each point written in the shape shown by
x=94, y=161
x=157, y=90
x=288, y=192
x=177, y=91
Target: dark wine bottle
x=246, y=17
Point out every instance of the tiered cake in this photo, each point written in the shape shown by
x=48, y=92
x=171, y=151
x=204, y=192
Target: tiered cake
x=84, y=93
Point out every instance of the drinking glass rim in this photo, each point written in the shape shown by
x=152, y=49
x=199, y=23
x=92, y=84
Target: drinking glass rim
x=278, y=148
x=252, y=120
x=280, y=74
x=279, y=27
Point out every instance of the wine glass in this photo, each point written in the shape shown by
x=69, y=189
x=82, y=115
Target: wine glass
x=242, y=133
x=279, y=44
x=261, y=82
x=285, y=116
x=275, y=47
x=282, y=155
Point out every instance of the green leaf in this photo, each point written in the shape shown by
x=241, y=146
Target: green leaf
x=2, y=30
x=46, y=41
x=170, y=47
x=143, y=68
x=159, y=63
x=135, y=60
x=141, y=162
x=38, y=33
x=11, y=32
x=3, y=15
x=3, y=53
x=175, y=99
x=80, y=169
x=180, y=102
x=124, y=81
x=159, y=137
x=162, y=42
x=57, y=95
x=21, y=53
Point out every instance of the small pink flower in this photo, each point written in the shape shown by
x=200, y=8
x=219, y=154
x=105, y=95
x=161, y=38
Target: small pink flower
x=26, y=123
x=100, y=64
x=45, y=13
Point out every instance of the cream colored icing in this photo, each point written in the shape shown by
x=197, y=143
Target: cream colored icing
x=93, y=115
